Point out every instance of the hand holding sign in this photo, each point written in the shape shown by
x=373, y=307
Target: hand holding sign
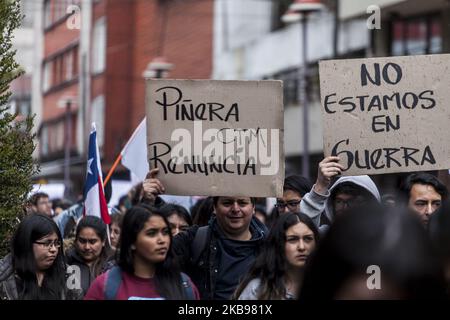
x=328, y=168
x=152, y=187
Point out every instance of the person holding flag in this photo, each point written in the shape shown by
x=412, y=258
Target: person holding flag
x=94, y=201
x=94, y=195
x=91, y=252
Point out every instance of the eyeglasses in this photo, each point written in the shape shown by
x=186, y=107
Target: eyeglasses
x=49, y=244
x=292, y=205
x=355, y=202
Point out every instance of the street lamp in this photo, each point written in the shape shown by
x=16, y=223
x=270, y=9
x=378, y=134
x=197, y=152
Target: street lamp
x=157, y=68
x=299, y=10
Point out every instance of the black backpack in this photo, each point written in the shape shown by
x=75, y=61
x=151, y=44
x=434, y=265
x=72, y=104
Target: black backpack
x=199, y=244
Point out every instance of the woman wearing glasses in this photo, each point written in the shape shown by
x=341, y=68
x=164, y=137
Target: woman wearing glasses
x=91, y=252
x=294, y=189
x=35, y=268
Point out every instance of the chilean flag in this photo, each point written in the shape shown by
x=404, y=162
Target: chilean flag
x=94, y=197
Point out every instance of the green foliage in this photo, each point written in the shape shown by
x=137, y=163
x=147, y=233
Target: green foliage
x=16, y=139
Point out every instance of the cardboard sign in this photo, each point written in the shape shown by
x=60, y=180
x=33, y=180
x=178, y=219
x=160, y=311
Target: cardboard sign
x=386, y=115
x=216, y=138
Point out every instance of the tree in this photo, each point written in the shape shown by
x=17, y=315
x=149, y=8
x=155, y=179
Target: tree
x=16, y=139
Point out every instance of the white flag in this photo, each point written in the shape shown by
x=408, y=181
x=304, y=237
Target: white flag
x=134, y=154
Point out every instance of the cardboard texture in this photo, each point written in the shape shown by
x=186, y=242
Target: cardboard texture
x=216, y=138
x=386, y=115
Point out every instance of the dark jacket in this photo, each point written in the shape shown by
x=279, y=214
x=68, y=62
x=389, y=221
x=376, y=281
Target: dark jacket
x=8, y=286
x=87, y=275
x=8, y=283
x=222, y=262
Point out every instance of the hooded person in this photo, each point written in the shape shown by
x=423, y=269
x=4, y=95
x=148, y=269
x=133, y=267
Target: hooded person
x=322, y=204
x=347, y=192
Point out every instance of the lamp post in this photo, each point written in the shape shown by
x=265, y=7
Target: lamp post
x=300, y=10
x=157, y=68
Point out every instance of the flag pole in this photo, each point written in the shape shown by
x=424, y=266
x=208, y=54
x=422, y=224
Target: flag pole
x=116, y=163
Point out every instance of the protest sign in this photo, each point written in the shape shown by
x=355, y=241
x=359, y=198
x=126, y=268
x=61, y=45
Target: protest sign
x=216, y=138
x=386, y=115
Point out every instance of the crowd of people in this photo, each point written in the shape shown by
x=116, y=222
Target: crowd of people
x=321, y=241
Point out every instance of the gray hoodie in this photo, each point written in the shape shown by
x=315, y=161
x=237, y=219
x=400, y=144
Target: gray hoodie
x=313, y=203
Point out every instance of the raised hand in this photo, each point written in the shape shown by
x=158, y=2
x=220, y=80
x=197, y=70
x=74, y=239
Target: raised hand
x=328, y=168
x=152, y=186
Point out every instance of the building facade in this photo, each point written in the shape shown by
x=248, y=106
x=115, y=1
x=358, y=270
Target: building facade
x=92, y=58
x=23, y=43
x=251, y=42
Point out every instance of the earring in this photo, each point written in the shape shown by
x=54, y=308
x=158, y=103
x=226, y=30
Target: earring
x=133, y=247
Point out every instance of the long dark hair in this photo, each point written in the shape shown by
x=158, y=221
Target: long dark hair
x=99, y=227
x=202, y=211
x=31, y=229
x=270, y=265
x=171, y=208
x=167, y=274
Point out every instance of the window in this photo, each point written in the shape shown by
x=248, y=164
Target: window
x=59, y=135
x=44, y=141
x=99, y=46
x=47, y=13
x=53, y=136
x=27, y=10
x=414, y=36
x=435, y=37
x=60, y=68
x=55, y=11
x=13, y=107
x=68, y=65
x=290, y=85
x=279, y=8
x=397, y=38
x=24, y=107
x=290, y=80
x=47, y=76
x=60, y=7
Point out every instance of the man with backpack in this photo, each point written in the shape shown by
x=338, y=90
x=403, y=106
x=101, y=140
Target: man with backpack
x=218, y=255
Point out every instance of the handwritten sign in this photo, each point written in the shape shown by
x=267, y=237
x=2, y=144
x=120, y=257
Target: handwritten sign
x=386, y=115
x=216, y=138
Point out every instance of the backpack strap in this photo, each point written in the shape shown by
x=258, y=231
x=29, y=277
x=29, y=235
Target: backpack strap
x=199, y=244
x=186, y=284
x=112, y=283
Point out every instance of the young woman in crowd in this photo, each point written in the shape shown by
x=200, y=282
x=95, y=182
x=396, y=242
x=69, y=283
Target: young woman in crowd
x=294, y=189
x=114, y=230
x=202, y=211
x=91, y=251
x=35, y=268
x=277, y=271
x=178, y=217
x=146, y=267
